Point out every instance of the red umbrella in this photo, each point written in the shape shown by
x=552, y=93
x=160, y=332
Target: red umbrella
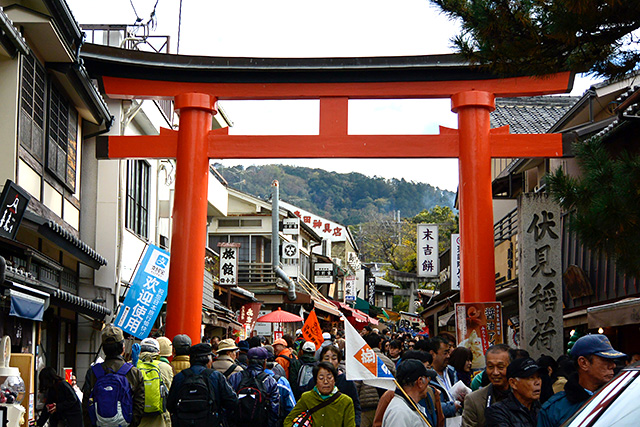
x=280, y=316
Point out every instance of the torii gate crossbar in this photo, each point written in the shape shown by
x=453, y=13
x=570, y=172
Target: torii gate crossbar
x=473, y=143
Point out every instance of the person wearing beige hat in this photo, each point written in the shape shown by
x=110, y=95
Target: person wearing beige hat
x=226, y=362
x=166, y=349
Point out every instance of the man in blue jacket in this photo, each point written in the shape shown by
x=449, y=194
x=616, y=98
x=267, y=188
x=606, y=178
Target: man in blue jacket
x=257, y=363
x=440, y=349
x=595, y=360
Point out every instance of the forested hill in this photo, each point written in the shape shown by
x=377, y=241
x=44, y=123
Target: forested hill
x=350, y=198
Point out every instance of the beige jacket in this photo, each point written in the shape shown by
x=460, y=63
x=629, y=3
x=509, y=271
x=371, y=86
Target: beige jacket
x=180, y=363
x=224, y=362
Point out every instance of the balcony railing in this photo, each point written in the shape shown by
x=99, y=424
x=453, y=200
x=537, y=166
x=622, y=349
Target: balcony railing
x=129, y=37
x=506, y=228
x=256, y=274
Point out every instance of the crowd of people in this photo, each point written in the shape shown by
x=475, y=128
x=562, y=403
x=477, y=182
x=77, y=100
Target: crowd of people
x=291, y=383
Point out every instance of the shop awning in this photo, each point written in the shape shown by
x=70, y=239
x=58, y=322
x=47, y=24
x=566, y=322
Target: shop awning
x=625, y=312
x=325, y=306
x=27, y=305
x=445, y=318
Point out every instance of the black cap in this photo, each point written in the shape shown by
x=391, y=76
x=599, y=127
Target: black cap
x=410, y=370
x=202, y=349
x=522, y=368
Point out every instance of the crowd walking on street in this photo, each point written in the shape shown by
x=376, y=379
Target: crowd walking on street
x=292, y=383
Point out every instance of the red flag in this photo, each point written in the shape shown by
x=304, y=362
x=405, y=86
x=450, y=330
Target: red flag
x=311, y=330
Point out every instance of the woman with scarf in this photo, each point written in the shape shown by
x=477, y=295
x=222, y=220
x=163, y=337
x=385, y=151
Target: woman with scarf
x=324, y=404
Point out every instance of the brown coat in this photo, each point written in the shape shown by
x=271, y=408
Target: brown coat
x=475, y=405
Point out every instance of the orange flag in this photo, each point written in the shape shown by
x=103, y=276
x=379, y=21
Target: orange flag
x=311, y=330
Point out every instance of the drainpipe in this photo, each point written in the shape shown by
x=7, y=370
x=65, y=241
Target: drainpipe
x=275, y=240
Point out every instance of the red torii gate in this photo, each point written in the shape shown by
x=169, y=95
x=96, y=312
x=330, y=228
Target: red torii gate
x=474, y=143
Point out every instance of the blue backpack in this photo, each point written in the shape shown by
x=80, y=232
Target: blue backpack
x=110, y=402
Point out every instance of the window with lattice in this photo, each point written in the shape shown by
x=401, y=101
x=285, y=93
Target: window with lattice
x=137, y=208
x=32, y=106
x=62, y=137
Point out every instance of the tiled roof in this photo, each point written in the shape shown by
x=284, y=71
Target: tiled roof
x=533, y=114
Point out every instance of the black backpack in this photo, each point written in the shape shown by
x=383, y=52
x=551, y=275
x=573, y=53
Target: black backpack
x=197, y=404
x=253, y=400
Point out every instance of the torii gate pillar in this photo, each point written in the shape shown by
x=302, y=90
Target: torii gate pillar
x=189, y=237
x=476, y=225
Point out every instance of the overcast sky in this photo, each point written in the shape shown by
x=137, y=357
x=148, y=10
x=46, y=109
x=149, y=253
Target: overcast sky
x=298, y=28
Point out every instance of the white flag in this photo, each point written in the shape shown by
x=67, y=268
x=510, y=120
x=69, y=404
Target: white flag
x=363, y=363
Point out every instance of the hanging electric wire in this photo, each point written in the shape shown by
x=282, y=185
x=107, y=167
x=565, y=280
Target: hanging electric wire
x=133, y=38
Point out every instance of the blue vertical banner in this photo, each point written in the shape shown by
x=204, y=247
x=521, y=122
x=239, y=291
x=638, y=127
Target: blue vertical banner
x=146, y=295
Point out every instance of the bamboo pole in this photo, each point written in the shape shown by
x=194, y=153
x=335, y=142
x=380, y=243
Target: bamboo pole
x=412, y=403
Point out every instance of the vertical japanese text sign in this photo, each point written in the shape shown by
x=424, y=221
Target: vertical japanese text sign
x=349, y=288
x=455, y=262
x=13, y=205
x=427, y=250
x=228, y=263
x=371, y=290
x=248, y=316
x=146, y=295
x=540, y=276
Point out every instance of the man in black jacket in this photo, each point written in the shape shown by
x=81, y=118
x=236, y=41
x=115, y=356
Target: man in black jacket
x=521, y=407
x=201, y=358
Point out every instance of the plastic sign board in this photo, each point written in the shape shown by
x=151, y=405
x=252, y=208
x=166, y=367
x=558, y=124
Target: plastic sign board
x=455, y=262
x=350, y=288
x=478, y=327
x=371, y=290
x=427, y=250
x=290, y=250
x=291, y=226
x=228, y=263
x=146, y=295
x=323, y=272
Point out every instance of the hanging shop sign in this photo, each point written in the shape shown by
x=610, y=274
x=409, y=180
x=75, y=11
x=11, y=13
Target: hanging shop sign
x=427, y=250
x=455, y=262
x=350, y=288
x=13, y=204
x=323, y=272
x=228, y=263
x=291, y=226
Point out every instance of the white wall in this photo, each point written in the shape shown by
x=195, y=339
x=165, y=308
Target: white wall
x=9, y=76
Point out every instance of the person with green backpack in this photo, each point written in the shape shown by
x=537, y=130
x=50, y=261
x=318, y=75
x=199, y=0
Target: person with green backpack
x=158, y=376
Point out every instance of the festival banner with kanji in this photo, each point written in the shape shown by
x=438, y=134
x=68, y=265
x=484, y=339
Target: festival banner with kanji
x=146, y=295
x=478, y=327
x=311, y=330
x=248, y=315
x=362, y=363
